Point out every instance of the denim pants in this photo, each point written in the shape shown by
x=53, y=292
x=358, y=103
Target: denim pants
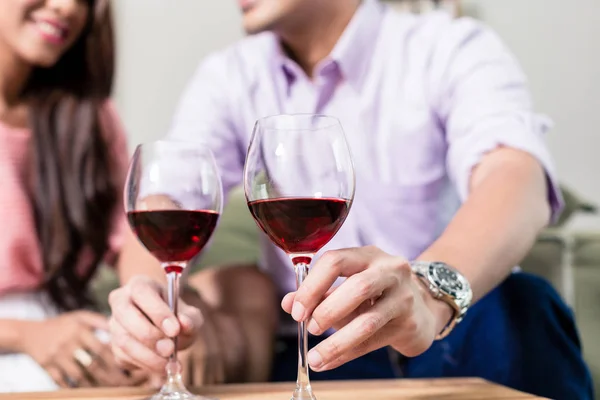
x=521, y=335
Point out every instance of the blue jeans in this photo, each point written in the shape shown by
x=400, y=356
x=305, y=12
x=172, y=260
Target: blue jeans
x=521, y=335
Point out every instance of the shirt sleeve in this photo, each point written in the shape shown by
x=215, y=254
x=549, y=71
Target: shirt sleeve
x=119, y=154
x=206, y=114
x=484, y=102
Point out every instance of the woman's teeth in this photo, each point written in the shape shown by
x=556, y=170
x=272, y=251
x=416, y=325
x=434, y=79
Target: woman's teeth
x=50, y=29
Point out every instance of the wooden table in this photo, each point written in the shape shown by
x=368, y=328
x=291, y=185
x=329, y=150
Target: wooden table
x=446, y=389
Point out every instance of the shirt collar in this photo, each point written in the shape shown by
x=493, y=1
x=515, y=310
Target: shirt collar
x=353, y=51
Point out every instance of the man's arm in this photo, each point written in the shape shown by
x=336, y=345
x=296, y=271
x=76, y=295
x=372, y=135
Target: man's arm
x=496, y=158
x=497, y=225
x=504, y=175
x=490, y=234
x=245, y=308
x=493, y=230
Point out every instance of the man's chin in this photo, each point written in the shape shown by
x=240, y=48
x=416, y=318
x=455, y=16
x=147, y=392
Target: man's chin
x=253, y=29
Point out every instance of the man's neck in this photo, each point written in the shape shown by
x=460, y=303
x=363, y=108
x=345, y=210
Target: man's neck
x=309, y=43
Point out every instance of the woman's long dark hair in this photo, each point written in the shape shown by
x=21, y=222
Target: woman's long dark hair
x=73, y=187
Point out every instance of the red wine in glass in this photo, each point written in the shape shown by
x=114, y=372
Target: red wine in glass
x=299, y=184
x=173, y=235
x=300, y=225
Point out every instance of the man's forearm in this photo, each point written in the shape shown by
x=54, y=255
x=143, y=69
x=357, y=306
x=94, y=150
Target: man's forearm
x=244, y=314
x=498, y=224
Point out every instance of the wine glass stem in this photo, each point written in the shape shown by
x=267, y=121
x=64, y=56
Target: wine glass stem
x=303, y=390
x=173, y=367
x=174, y=387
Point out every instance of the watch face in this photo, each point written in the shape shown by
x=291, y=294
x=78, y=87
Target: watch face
x=448, y=280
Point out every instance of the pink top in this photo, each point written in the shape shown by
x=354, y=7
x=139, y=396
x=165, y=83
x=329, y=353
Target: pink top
x=20, y=256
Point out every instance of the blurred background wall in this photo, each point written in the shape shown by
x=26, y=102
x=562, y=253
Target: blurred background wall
x=162, y=41
x=160, y=44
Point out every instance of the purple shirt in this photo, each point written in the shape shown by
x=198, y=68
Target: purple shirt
x=421, y=99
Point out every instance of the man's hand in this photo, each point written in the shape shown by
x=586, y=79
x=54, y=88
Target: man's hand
x=380, y=304
x=142, y=326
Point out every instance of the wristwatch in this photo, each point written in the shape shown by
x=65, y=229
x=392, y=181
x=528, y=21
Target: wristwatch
x=448, y=285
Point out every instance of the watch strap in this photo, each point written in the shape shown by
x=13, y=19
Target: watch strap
x=421, y=270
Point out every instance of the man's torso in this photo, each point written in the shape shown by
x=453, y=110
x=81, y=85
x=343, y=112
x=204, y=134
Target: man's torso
x=404, y=198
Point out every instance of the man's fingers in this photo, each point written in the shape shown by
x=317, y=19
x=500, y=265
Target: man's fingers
x=332, y=265
x=351, y=339
x=288, y=299
x=346, y=298
x=288, y=302
x=364, y=307
x=375, y=342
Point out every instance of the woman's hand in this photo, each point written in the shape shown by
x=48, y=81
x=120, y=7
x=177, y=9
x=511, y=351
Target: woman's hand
x=142, y=325
x=69, y=350
x=381, y=303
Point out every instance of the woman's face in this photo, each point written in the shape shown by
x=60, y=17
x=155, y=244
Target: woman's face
x=41, y=31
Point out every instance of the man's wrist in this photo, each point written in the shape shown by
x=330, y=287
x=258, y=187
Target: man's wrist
x=441, y=311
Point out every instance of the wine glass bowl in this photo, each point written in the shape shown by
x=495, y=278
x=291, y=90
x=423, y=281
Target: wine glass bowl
x=299, y=180
x=173, y=199
x=173, y=235
x=299, y=183
x=300, y=225
x=298, y=156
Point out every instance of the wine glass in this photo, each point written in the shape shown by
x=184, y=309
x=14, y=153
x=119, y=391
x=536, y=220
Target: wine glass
x=299, y=184
x=173, y=199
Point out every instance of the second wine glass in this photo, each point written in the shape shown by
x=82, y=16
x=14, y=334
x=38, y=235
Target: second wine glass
x=173, y=199
x=299, y=184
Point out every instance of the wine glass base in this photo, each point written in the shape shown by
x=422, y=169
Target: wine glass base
x=303, y=395
x=174, y=389
x=184, y=395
